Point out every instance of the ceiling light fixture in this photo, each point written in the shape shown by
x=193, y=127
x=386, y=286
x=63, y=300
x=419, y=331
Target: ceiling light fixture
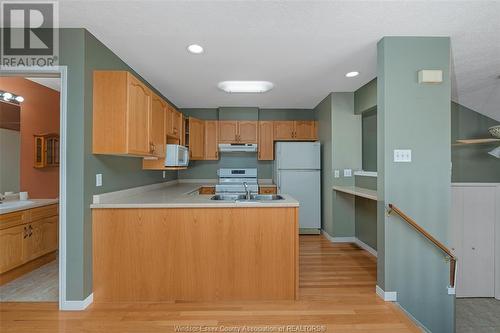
x=20, y=99
x=352, y=74
x=7, y=96
x=245, y=86
x=195, y=48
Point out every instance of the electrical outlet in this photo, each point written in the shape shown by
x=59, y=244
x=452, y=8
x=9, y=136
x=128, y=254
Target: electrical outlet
x=347, y=172
x=336, y=173
x=98, y=179
x=402, y=155
x=164, y=174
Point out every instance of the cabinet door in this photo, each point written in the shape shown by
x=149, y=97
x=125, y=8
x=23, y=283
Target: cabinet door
x=157, y=125
x=283, y=130
x=39, y=152
x=196, y=138
x=169, y=121
x=11, y=247
x=228, y=131
x=42, y=237
x=266, y=141
x=176, y=124
x=139, y=105
x=211, y=143
x=247, y=131
x=305, y=130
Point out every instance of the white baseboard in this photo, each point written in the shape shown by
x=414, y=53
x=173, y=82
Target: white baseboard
x=354, y=240
x=366, y=247
x=76, y=305
x=388, y=296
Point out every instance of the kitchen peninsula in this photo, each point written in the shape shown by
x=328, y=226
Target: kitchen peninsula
x=166, y=242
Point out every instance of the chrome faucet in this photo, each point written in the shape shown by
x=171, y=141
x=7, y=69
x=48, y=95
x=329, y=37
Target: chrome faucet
x=2, y=198
x=247, y=191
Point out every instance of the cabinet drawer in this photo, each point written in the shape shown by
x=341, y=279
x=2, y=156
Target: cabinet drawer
x=15, y=218
x=43, y=212
x=268, y=190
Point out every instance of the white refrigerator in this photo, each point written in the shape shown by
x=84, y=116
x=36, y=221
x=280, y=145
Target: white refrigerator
x=296, y=172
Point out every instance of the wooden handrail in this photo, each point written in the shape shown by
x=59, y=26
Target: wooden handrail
x=423, y=232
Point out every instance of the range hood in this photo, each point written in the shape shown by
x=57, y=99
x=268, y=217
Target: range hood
x=238, y=147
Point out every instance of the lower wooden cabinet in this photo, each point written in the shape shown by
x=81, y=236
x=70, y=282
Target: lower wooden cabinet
x=268, y=190
x=27, y=235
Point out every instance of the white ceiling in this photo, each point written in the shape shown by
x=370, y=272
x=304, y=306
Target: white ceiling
x=303, y=47
x=49, y=82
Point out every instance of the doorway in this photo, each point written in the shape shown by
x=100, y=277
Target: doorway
x=34, y=205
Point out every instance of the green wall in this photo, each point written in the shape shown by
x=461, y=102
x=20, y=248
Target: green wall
x=208, y=169
x=323, y=112
x=369, y=137
x=82, y=53
x=417, y=117
x=365, y=98
x=471, y=163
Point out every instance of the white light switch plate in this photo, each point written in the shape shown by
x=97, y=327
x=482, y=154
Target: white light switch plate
x=98, y=179
x=347, y=172
x=164, y=174
x=402, y=155
x=336, y=173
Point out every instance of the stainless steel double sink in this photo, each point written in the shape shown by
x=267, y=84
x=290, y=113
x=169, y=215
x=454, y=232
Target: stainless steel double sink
x=243, y=198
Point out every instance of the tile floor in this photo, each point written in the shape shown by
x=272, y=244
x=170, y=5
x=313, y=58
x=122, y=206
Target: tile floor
x=40, y=285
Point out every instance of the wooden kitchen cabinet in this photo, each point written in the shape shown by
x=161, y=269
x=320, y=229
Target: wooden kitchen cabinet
x=196, y=138
x=247, y=131
x=295, y=130
x=121, y=115
x=228, y=131
x=174, y=123
x=211, y=142
x=46, y=150
x=237, y=131
x=266, y=141
x=42, y=237
x=157, y=125
x=268, y=189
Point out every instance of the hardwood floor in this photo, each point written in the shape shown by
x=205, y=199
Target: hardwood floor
x=337, y=294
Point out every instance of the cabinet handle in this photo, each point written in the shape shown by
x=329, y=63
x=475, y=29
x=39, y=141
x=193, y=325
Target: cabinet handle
x=25, y=232
x=30, y=228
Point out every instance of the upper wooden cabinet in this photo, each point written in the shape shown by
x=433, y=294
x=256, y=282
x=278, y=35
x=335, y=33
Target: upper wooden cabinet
x=266, y=141
x=247, y=131
x=196, y=135
x=157, y=126
x=232, y=131
x=295, y=130
x=46, y=150
x=211, y=142
x=122, y=115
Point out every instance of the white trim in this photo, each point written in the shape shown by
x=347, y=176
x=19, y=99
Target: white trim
x=366, y=173
x=387, y=296
x=366, y=247
x=62, y=73
x=354, y=240
x=77, y=305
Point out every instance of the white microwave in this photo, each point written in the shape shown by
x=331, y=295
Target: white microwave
x=176, y=155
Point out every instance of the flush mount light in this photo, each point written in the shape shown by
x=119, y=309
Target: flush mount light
x=352, y=74
x=195, y=48
x=245, y=86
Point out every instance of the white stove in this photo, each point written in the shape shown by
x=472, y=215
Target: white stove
x=234, y=180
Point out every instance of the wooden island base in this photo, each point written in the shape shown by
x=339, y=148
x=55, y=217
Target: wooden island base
x=195, y=254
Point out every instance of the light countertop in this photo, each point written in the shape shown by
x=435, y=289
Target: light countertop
x=357, y=191
x=176, y=194
x=10, y=206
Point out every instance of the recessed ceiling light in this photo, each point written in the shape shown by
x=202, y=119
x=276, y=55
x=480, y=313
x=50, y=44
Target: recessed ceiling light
x=352, y=74
x=245, y=86
x=195, y=48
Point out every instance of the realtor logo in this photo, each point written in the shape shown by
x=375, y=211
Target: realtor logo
x=29, y=33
